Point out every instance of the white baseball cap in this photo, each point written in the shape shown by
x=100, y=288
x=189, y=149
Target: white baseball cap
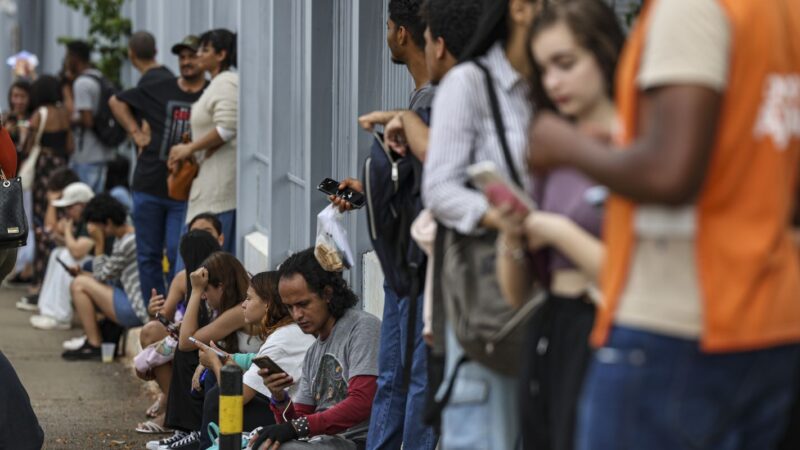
x=73, y=194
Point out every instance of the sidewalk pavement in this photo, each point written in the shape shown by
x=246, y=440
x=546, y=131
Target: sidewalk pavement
x=80, y=405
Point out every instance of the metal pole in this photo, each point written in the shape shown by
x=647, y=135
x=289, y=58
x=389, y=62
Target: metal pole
x=230, y=408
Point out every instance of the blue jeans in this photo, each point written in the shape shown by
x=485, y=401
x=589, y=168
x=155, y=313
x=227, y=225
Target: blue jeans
x=158, y=222
x=396, y=411
x=228, y=220
x=483, y=411
x=645, y=390
x=92, y=174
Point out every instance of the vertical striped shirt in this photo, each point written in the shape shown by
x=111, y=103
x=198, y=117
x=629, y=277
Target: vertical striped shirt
x=121, y=266
x=463, y=132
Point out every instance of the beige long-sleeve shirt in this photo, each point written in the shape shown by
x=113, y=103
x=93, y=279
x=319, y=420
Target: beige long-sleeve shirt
x=214, y=189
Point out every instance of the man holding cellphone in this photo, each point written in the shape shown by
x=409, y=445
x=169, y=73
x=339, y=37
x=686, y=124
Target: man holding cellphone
x=335, y=391
x=55, y=310
x=398, y=411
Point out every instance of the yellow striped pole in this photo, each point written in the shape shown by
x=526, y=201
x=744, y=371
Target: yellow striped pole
x=230, y=408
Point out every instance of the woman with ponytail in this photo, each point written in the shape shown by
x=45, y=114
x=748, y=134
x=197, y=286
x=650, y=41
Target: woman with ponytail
x=213, y=139
x=284, y=343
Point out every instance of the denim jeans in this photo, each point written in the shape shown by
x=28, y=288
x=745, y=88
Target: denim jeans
x=159, y=222
x=93, y=174
x=483, y=411
x=645, y=390
x=397, y=411
x=228, y=220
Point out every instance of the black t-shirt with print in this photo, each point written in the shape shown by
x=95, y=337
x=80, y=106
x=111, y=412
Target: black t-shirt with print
x=166, y=108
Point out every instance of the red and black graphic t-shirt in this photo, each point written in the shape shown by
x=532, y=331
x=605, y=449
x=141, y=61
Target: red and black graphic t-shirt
x=167, y=109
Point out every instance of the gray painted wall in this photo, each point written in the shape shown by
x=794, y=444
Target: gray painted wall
x=308, y=69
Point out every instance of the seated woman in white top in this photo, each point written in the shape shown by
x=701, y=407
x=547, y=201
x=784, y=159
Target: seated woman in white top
x=285, y=344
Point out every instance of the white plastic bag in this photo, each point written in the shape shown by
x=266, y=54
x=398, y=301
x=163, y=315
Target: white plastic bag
x=332, y=249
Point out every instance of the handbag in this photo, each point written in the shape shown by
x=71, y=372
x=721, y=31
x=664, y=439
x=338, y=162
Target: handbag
x=27, y=170
x=13, y=221
x=180, y=178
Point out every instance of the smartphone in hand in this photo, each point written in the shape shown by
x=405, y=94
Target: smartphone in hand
x=499, y=194
x=172, y=329
x=265, y=362
x=331, y=187
x=206, y=347
x=498, y=189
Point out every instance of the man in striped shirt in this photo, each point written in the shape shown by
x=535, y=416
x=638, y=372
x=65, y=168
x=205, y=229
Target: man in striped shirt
x=113, y=286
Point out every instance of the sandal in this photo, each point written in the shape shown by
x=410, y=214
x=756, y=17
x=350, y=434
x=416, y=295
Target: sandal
x=151, y=427
x=155, y=409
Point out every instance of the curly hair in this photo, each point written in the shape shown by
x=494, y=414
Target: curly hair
x=406, y=14
x=455, y=22
x=102, y=208
x=265, y=284
x=306, y=265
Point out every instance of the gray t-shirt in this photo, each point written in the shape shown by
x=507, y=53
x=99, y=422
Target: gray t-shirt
x=351, y=350
x=422, y=97
x=88, y=149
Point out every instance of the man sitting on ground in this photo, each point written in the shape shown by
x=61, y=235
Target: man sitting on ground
x=340, y=369
x=113, y=286
x=55, y=310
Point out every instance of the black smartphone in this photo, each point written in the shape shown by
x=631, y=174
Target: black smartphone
x=331, y=187
x=265, y=362
x=66, y=266
x=172, y=329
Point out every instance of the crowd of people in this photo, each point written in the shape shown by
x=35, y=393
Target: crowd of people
x=588, y=238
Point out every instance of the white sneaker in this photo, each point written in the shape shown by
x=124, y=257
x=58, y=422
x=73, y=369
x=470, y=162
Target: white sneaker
x=48, y=323
x=177, y=436
x=74, y=343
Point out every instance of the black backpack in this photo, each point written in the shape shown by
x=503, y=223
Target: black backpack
x=392, y=185
x=109, y=132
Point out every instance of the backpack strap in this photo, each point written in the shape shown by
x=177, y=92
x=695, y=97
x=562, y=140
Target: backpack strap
x=498, y=123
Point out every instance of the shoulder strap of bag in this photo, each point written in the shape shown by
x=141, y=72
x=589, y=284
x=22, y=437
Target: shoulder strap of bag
x=42, y=123
x=498, y=123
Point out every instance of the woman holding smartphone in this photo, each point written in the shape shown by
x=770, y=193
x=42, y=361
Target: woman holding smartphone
x=574, y=45
x=284, y=343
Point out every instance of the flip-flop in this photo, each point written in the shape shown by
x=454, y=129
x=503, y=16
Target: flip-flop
x=155, y=409
x=151, y=427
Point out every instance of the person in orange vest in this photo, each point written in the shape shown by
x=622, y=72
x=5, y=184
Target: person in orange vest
x=698, y=336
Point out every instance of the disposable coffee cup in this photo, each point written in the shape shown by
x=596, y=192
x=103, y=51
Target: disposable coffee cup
x=107, y=351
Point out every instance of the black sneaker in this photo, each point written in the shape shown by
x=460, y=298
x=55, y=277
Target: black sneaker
x=177, y=436
x=86, y=352
x=29, y=303
x=190, y=441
